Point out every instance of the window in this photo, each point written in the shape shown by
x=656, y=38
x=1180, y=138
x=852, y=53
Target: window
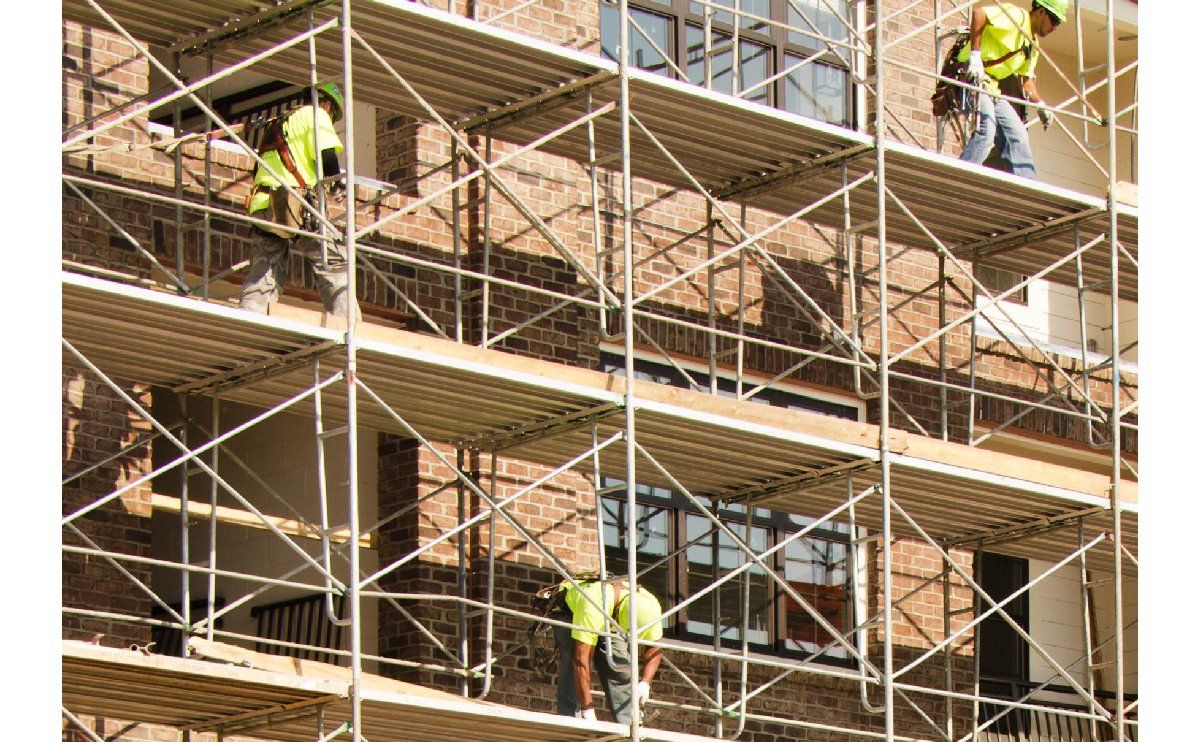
x=680, y=552
x=1003, y=654
x=779, y=62
x=998, y=281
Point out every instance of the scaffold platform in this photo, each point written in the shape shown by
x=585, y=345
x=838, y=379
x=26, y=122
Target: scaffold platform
x=519, y=89
x=541, y=411
x=284, y=704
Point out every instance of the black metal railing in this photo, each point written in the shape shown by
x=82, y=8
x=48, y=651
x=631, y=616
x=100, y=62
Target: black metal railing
x=301, y=621
x=1052, y=721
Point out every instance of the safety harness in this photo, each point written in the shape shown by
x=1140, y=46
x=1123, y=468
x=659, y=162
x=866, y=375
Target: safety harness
x=274, y=140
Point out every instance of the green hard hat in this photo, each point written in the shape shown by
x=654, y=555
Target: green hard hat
x=1056, y=8
x=334, y=93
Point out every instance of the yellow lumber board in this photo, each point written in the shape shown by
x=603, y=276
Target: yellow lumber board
x=239, y=517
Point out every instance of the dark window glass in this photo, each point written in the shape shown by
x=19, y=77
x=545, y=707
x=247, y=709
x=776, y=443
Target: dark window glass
x=712, y=546
x=642, y=52
x=815, y=89
x=1003, y=655
x=747, y=8
x=755, y=64
x=818, y=570
x=652, y=532
x=681, y=552
x=998, y=281
x=816, y=17
x=773, y=35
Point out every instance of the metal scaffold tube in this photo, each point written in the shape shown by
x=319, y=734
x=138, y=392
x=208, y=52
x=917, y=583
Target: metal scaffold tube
x=1110, y=33
x=889, y=709
x=627, y=327
x=354, y=582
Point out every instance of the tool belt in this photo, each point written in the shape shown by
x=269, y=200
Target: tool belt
x=284, y=209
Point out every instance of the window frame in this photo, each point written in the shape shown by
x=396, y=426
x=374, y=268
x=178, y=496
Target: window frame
x=777, y=524
x=776, y=38
x=999, y=280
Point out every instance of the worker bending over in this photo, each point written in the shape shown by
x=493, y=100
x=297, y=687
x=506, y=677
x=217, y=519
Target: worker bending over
x=291, y=147
x=1003, y=43
x=581, y=648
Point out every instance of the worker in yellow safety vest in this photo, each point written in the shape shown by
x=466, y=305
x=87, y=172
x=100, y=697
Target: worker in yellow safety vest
x=291, y=147
x=1004, y=46
x=582, y=647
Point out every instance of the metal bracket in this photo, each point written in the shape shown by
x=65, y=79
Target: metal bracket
x=797, y=482
x=1000, y=243
x=1022, y=530
x=257, y=370
x=535, y=105
x=535, y=431
x=813, y=168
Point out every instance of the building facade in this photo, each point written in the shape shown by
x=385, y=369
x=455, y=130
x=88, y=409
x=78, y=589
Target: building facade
x=830, y=408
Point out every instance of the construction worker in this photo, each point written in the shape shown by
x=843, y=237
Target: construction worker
x=580, y=648
x=1003, y=43
x=290, y=146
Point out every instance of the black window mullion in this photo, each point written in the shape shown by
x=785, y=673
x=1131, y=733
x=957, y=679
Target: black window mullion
x=775, y=627
x=679, y=8
x=678, y=572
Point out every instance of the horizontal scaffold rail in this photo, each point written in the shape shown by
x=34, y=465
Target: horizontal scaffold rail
x=956, y=491
x=247, y=692
x=469, y=72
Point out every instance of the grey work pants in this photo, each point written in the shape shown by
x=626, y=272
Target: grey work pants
x=613, y=670
x=268, y=272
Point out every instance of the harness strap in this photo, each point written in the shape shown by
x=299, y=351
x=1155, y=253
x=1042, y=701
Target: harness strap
x=275, y=141
x=1027, y=49
x=1005, y=58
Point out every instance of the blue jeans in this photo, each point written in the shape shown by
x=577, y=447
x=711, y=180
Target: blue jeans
x=1000, y=126
x=613, y=671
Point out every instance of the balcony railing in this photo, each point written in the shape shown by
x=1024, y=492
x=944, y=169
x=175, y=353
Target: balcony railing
x=1053, y=721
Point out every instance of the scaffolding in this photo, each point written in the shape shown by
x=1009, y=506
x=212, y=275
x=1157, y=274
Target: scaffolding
x=449, y=386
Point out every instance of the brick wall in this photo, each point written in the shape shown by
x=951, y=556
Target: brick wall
x=100, y=430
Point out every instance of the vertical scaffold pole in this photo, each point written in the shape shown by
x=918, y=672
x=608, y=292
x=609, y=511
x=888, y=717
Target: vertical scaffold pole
x=456, y=229
x=185, y=588
x=177, y=163
x=1114, y=268
x=713, y=349
x=889, y=712
x=943, y=398
x=977, y=608
x=485, y=300
x=460, y=462
x=635, y=731
x=353, y=580
x=213, y=492
x=208, y=189
x=948, y=651
x=597, y=238
x=741, y=311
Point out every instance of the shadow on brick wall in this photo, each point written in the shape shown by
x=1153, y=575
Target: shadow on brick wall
x=104, y=448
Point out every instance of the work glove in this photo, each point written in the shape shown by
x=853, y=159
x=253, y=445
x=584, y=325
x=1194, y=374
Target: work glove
x=643, y=692
x=975, y=67
x=643, y=695
x=1046, y=118
x=337, y=190
x=588, y=714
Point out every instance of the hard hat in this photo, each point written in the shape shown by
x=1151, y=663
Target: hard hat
x=334, y=93
x=1056, y=8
